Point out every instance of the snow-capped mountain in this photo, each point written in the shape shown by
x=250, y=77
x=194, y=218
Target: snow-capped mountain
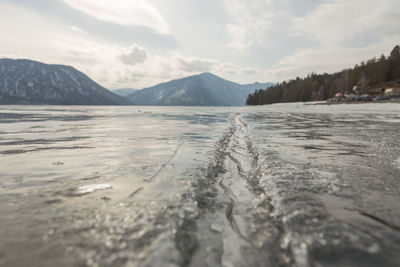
x=205, y=89
x=29, y=82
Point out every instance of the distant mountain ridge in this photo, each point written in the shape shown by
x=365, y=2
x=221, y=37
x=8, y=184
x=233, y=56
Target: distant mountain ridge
x=204, y=89
x=25, y=81
x=29, y=82
x=124, y=91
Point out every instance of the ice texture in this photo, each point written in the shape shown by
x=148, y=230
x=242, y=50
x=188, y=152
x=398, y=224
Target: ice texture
x=280, y=185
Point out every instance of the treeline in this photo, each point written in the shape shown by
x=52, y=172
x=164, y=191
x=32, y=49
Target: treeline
x=315, y=87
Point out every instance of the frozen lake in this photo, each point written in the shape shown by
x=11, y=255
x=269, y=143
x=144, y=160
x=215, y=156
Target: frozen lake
x=278, y=185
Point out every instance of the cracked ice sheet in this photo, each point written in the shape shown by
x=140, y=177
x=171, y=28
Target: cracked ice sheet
x=323, y=171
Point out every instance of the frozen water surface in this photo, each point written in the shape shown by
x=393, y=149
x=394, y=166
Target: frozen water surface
x=278, y=185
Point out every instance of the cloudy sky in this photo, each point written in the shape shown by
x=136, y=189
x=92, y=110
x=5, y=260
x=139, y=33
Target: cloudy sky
x=139, y=43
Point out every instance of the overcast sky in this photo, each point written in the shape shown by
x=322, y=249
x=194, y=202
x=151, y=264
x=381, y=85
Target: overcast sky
x=139, y=43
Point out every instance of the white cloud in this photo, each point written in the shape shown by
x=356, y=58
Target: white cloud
x=327, y=59
x=125, y=12
x=251, y=20
x=77, y=29
x=115, y=66
x=249, y=71
x=134, y=55
x=346, y=33
x=192, y=64
x=342, y=22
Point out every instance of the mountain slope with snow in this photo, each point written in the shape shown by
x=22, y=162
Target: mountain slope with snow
x=205, y=89
x=29, y=82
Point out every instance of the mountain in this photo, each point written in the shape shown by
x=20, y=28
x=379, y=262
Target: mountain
x=370, y=77
x=29, y=82
x=124, y=91
x=205, y=89
x=257, y=86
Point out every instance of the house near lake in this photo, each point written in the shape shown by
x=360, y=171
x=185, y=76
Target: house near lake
x=387, y=92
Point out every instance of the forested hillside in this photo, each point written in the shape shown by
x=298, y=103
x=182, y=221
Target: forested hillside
x=382, y=72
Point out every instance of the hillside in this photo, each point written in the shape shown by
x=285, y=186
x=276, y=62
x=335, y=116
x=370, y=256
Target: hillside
x=375, y=73
x=30, y=82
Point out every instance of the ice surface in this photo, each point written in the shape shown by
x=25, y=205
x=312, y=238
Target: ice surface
x=397, y=163
x=280, y=185
x=85, y=189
